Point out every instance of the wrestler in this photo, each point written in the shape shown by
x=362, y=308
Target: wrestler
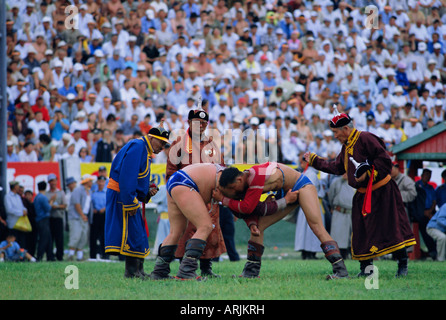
x=379, y=221
x=126, y=230
x=241, y=191
x=189, y=192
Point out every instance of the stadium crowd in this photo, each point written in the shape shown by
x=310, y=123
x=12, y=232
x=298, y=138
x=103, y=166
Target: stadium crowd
x=84, y=77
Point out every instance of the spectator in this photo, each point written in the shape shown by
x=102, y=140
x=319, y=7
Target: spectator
x=11, y=156
x=98, y=219
x=39, y=126
x=14, y=210
x=436, y=228
x=57, y=215
x=28, y=153
x=10, y=251
x=79, y=210
x=440, y=192
x=43, y=212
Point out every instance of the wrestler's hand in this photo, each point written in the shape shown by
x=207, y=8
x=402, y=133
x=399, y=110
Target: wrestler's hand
x=217, y=195
x=292, y=196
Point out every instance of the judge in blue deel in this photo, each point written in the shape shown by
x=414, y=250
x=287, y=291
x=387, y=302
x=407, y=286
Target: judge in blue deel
x=129, y=184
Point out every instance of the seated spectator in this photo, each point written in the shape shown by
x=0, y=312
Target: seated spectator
x=10, y=251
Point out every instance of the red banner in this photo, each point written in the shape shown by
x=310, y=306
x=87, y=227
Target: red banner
x=29, y=174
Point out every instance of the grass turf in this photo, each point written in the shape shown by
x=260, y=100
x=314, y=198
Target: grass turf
x=285, y=279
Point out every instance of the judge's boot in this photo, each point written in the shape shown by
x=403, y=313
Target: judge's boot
x=401, y=256
x=366, y=268
x=193, y=251
x=132, y=268
x=333, y=255
x=166, y=254
x=206, y=269
x=141, y=269
x=252, y=266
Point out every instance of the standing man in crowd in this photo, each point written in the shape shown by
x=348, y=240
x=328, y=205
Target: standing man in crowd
x=126, y=231
x=98, y=220
x=43, y=212
x=379, y=221
x=78, y=212
x=57, y=215
x=14, y=210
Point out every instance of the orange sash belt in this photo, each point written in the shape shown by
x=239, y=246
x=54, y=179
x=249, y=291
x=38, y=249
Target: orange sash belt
x=377, y=185
x=112, y=184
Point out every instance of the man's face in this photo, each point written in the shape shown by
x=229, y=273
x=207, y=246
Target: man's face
x=426, y=177
x=198, y=126
x=341, y=134
x=157, y=145
x=235, y=190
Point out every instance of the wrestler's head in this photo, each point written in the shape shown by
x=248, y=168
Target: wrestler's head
x=232, y=183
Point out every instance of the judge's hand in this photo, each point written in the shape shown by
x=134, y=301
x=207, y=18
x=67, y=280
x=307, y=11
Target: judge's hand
x=361, y=178
x=307, y=156
x=132, y=212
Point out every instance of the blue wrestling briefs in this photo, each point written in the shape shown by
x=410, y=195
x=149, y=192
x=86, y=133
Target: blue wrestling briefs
x=180, y=178
x=300, y=183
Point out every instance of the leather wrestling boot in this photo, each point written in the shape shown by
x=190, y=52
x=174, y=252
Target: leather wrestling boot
x=206, y=269
x=141, y=268
x=189, y=265
x=132, y=268
x=333, y=255
x=364, y=268
x=252, y=266
x=166, y=254
x=402, y=258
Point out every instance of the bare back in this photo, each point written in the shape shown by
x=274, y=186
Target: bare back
x=281, y=177
x=204, y=175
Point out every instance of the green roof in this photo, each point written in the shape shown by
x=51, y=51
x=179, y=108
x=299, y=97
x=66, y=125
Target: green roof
x=429, y=133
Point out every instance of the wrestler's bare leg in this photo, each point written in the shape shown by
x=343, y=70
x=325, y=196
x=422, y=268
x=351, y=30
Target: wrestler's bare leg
x=185, y=205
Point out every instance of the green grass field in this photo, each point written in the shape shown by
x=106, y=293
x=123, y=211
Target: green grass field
x=284, y=279
x=284, y=276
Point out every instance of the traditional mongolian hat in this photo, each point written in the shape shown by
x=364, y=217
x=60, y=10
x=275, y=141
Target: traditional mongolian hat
x=340, y=119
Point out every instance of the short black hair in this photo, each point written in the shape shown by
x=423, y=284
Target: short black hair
x=228, y=176
x=41, y=186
